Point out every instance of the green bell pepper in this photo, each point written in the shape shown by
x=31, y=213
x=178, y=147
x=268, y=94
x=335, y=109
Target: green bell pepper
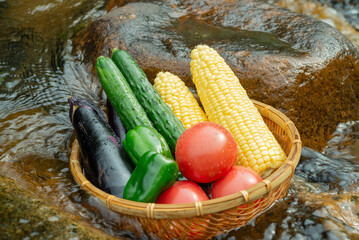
x=142, y=139
x=153, y=174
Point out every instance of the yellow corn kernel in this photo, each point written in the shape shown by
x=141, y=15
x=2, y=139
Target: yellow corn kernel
x=178, y=97
x=226, y=102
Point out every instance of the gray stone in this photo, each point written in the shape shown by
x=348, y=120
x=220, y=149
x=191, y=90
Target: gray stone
x=299, y=65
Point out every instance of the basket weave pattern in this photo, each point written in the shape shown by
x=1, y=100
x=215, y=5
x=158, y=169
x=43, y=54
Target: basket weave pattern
x=206, y=219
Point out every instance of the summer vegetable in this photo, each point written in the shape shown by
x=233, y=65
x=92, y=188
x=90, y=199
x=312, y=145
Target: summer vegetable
x=120, y=94
x=167, y=124
x=142, y=139
x=206, y=152
x=104, y=161
x=153, y=174
x=226, y=102
x=178, y=97
x=237, y=179
x=76, y=102
x=182, y=192
x=115, y=121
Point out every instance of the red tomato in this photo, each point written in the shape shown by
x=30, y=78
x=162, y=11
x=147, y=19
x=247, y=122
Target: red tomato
x=237, y=179
x=206, y=152
x=182, y=192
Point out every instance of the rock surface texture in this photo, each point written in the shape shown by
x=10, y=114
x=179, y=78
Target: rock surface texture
x=348, y=26
x=30, y=215
x=297, y=64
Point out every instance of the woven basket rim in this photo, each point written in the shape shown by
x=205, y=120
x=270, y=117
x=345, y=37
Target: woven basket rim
x=197, y=209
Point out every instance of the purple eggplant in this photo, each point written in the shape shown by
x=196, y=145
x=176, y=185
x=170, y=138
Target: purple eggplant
x=76, y=102
x=104, y=161
x=115, y=122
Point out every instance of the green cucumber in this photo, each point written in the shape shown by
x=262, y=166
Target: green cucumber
x=120, y=94
x=168, y=125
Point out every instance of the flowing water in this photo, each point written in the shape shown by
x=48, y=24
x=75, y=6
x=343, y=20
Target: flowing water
x=37, y=75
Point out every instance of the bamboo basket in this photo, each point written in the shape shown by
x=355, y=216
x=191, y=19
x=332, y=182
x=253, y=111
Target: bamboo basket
x=209, y=218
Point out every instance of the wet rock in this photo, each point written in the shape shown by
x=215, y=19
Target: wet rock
x=3, y=4
x=347, y=25
x=336, y=211
x=297, y=64
x=23, y=215
x=349, y=9
x=331, y=173
x=110, y=4
x=344, y=142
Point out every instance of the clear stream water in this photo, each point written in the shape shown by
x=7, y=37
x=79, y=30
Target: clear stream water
x=37, y=75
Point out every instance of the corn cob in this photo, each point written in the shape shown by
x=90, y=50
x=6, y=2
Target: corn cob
x=178, y=97
x=226, y=102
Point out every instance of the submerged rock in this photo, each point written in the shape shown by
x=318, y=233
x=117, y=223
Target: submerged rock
x=315, y=167
x=297, y=64
x=23, y=215
x=345, y=142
